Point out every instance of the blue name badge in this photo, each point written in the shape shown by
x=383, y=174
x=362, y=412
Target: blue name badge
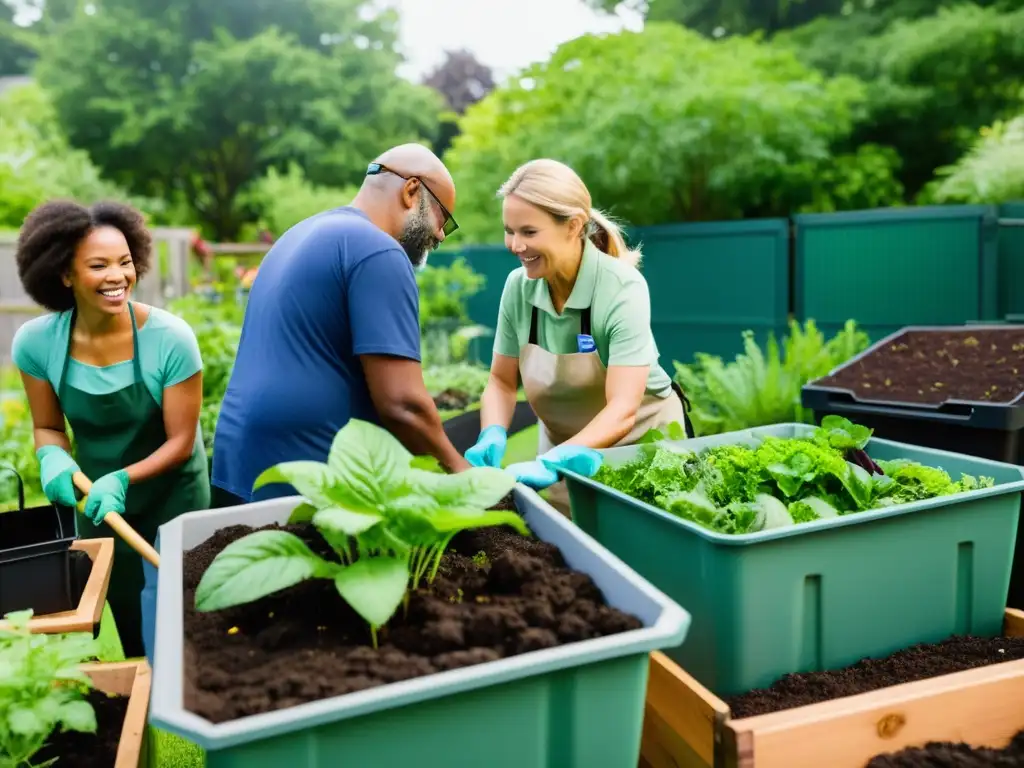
x=585, y=343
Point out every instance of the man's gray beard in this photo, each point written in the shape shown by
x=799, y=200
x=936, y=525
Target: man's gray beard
x=417, y=238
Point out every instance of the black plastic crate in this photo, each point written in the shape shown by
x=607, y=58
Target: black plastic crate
x=37, y=568
x=987, y=430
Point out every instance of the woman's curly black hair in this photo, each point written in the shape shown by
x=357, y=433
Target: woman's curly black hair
x=52, y=232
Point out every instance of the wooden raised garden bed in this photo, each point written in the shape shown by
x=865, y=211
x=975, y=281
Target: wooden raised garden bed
x=86, y=616
x=685, y=724
x=121, y=703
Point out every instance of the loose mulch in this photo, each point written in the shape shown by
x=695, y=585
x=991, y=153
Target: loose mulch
x=935, y=366
x=497, y=594
x=919, y=662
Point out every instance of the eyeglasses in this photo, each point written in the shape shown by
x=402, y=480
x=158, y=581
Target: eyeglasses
x=449, y=221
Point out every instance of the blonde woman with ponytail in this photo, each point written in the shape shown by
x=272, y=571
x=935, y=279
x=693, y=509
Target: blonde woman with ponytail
x=575, y=325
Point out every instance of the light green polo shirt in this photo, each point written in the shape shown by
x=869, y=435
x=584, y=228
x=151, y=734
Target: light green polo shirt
x=620, y=316
x=168, y=354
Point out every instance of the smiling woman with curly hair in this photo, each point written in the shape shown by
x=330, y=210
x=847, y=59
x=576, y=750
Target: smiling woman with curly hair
x=128, y=378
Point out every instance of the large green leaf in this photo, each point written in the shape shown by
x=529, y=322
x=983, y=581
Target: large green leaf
x=367, y=460
x=374, y=587
x=480, y=487
x=309, y=478
x=255, y=566
x=450, y=520
x=344, y=521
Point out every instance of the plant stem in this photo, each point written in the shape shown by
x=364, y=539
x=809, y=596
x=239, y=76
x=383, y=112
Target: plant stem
x=373, y=636
x=437, y=560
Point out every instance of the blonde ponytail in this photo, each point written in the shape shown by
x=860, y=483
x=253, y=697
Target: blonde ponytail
x=607, y=236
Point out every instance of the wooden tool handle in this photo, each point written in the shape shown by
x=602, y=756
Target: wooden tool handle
x=119, y=524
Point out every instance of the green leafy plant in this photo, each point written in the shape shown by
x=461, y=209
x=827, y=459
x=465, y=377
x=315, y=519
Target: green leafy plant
x=387, y=520
x=776, y=482
x=762, y=387
x=42, y=688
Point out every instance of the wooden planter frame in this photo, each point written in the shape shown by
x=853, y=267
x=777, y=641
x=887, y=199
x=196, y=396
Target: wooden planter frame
x=87, y=615
x=687, y=725
x=132, y=679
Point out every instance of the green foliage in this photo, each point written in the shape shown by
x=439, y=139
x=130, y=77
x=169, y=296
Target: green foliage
x=936, y=74
x=41, y=688
x=444, y=318
x=663, y=126
x=282, y=200
x=17, y=451
x=36, y=161
x=777, y=482
x=181, y=99
x=992, y=171
x=763, y=386
x=387, y=522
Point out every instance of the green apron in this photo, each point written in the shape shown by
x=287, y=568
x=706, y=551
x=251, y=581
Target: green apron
x=111, y=432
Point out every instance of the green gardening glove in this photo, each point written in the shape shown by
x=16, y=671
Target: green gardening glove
x=55, y=470
x=107, y=495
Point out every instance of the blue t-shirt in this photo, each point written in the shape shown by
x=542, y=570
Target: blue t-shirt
x=332, y=288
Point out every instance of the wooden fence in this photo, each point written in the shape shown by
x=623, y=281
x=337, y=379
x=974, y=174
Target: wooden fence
x=167, y=280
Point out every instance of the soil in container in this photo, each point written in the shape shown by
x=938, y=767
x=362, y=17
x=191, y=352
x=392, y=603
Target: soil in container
x=452, y=400
x=72, y=749
x=930, y=367
x=919, y=662
x=938, y=754
x=496, y=594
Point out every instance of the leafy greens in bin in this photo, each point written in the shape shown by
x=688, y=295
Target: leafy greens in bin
x=387, y=515
x=738, y=489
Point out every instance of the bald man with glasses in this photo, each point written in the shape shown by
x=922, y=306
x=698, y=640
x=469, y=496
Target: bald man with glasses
x=331, y=330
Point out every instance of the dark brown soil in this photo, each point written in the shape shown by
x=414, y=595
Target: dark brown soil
x=452, y=400
x=919, y=662
x=304, y=643
x=89, y=750
x=949, y=755
x=933, y=367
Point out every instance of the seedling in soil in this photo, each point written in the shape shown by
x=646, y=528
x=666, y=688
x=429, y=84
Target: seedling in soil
x=388, y=521
x=41, y=688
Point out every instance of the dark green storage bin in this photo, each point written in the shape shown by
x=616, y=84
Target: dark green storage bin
x=894, y=267
x=818, y=595
x=710, y=282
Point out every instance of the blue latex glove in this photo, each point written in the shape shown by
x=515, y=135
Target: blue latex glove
x=576, y=458
x=534, y=474
x=490, y=447
x=55, y=470
x=107, y=495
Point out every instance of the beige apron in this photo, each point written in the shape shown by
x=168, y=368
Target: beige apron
x=567, y=392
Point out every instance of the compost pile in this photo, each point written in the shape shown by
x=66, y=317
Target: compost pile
x=919, y=662
x=497, y=594
x=779, y=482
x=931, y=367
x=949, y=755
x=452, y=400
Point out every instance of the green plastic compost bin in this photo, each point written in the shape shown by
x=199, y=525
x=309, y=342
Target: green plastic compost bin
x=579, y=705
x=825, y=594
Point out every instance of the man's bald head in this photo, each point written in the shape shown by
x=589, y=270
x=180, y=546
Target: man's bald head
x=417, y=161
x=410, y=194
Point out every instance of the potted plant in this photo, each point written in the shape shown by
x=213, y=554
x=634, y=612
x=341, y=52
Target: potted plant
x=389, y=599
x=55, y=708
x=44, y=567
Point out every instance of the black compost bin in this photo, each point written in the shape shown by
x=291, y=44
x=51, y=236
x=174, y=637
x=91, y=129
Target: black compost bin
x=38, y=570
x=990, y=430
